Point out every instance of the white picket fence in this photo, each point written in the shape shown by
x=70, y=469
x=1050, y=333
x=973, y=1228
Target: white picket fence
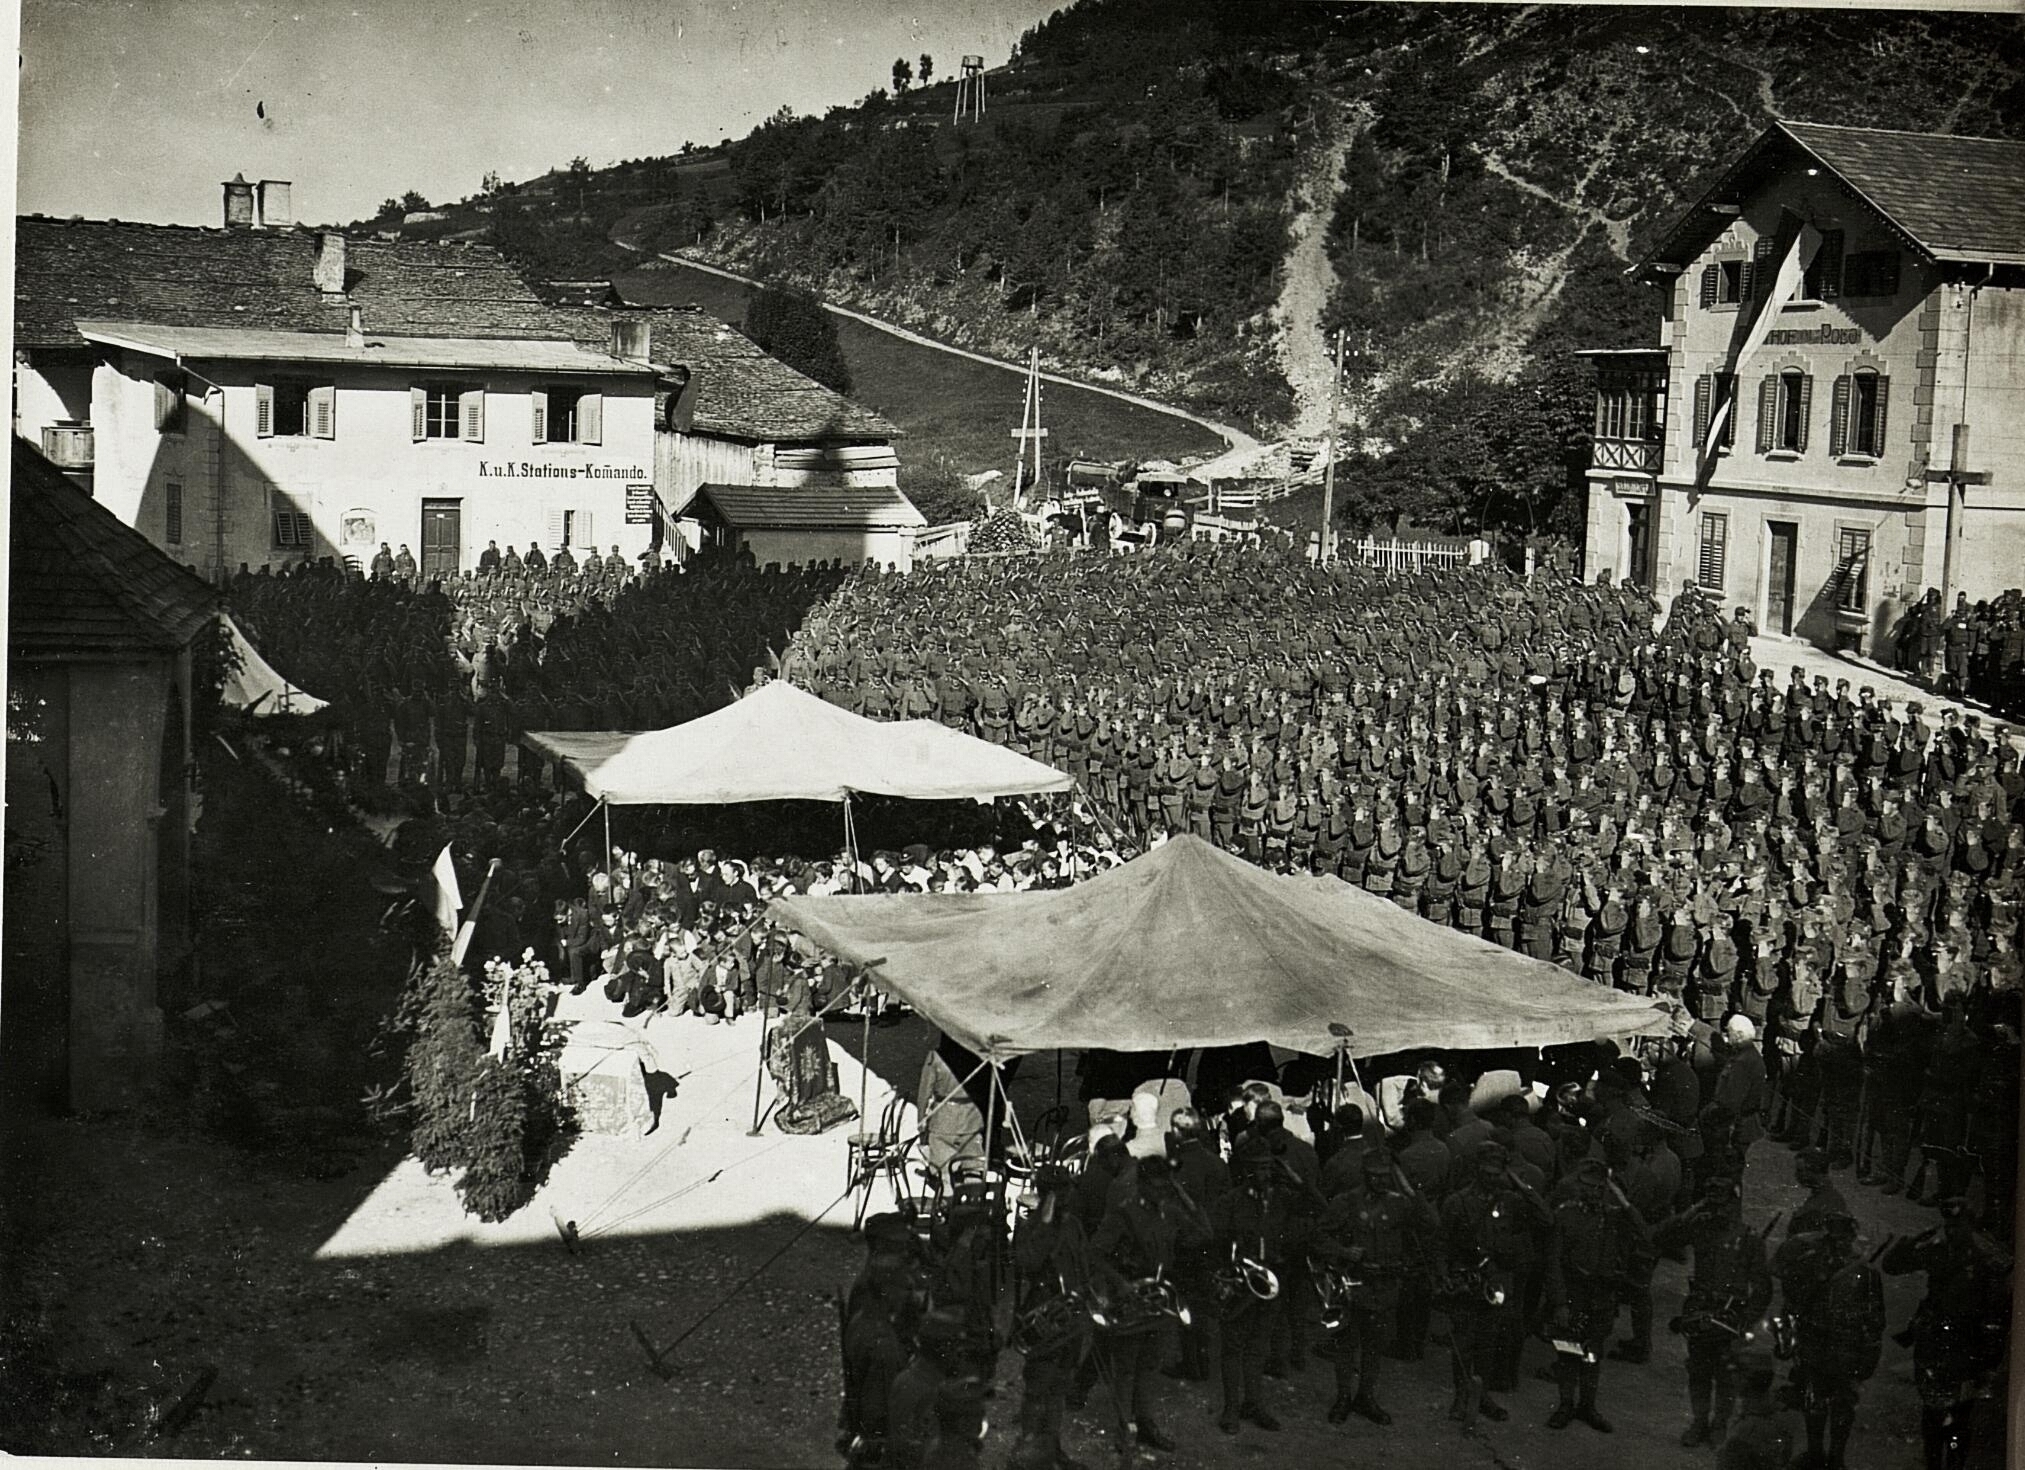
x=1406, y=556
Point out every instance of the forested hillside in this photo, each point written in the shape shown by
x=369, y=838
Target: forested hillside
x=1130, y=198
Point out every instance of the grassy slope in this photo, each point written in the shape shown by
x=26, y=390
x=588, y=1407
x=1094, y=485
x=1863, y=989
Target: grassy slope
x=958, y=415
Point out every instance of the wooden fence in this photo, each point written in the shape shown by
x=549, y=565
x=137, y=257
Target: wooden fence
x=1405, y=556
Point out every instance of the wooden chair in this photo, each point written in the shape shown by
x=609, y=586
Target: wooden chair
x=882, y=1152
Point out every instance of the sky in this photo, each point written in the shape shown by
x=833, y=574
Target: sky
x=139, y=109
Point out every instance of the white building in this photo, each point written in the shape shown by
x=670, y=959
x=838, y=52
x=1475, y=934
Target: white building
x=260, y=394
x=1874, y=444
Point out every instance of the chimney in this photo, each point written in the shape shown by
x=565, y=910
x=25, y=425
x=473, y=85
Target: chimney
x=330, y=263
x=682, y=412
x=355, y=326
x=275, y=210
x=238, y=203
x=631, y=338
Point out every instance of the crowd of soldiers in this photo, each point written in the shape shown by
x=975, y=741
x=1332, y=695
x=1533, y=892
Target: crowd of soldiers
x=1533, y=763
x=1974, y=652
x=1220, y=1247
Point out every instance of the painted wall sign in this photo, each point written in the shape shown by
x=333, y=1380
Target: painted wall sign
x=496, y=469
x=1805, y=336
x=640, y=504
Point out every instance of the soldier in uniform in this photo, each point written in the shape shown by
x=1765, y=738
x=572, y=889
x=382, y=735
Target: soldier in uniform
x=1372, y=1237
x=1488, y=1225
x=1727, y=1294
x=1838, y=1302
x=1593, y=1254
x=1960, y=1332
x=939, y=1353
x=1251, y=1220
x=1051, y=1252
x=1144, y=1222
x=874, y=1355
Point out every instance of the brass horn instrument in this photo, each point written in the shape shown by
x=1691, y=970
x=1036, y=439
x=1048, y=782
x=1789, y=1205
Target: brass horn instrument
x=1053, y=1322
x=1336, y=1286
x=1244, y=1276
x=1141, y=1303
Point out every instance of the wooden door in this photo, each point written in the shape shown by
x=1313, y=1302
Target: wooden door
x=442, y=538
x=1784, y=552
x=1639, y=563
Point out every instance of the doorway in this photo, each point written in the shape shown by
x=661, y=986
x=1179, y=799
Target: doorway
x=442, y=538
x=1638, y=560
x=1782, y=555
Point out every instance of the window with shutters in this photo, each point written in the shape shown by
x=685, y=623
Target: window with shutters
x=1852, y=568
x=1823, y=281
x=1866, y=414
x=1715, y=550
x=172, y=513
x=1730, y=278
x=1712, y=391
x=295, y=409
x=292, y=530
x=171, y=403
x=442, y=412
x=564, y=415
x=1792, y=407
x=1870, y=273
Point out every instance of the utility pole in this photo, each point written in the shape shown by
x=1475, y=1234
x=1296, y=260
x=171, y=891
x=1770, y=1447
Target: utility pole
x=1329, y=465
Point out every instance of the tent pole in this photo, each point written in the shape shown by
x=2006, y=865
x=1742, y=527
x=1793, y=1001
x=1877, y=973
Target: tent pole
x=563, y=846
x=605, y=859
x=759, y=1078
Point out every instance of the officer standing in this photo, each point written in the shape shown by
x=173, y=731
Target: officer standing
x=1051, y=1252
x=1960, y=1331
x=1728, y=1293
x=1487, y=1228
x=1592, y=1254
x=1372, y=1238
x=1143, y=1223
x=1838, y=1303
x=1250, y=1220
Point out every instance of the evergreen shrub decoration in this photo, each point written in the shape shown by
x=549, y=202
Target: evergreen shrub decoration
x=1002, y=530
x=499, y=1122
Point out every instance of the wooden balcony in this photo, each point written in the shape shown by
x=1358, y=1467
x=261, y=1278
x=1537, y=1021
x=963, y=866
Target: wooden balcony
x=68, y=446
x=1637, y=456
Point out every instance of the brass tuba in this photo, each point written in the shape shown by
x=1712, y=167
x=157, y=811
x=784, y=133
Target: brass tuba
x=1053, y=1322
x=1140, y=1304
x=1243, y=1276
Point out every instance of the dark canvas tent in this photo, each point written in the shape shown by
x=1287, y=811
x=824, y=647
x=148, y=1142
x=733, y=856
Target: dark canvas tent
x=780, y=743
x=1190, y=946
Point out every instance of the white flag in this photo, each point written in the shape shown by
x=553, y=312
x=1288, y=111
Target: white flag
x=449, y=898
x=1795, y=245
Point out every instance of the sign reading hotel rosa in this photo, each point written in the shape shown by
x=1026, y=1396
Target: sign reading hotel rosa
x=523, y=469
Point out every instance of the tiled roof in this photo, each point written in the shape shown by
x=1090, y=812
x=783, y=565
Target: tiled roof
x=1960, y=198
x=174, y=275
x=506, y=354
x=811, y=508
x=85, y=585
x=1954, y=199
x=741, y=393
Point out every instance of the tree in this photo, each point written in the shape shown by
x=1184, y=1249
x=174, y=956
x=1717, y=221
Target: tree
x=792, y=326
x=389, y=207
x=927, y=68
x=489, y=185
x=903, y=75
x=411, y=202
x=579, y=175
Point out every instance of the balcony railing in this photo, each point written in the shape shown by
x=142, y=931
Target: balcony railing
x=1640, y=456
x=68, y=446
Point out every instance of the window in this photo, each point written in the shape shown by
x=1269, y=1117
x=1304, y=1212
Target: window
x=172, y=513
x=446, y=411
x=1712, y=391
x=294, y=409
x=1715, y=550
x=291, y=525
x=1785, y=404
x=1726, y=283
x=171, y=403
x=568, y=416
x=1628, y=406
x=1870, y=273
x=1852, y=568
x=1824, y=273
x=570, y=528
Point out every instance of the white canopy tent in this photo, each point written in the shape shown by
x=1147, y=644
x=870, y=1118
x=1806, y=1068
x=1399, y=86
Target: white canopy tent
x=255, y=687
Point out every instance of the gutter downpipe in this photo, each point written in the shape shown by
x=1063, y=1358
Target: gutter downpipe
x=218, y=472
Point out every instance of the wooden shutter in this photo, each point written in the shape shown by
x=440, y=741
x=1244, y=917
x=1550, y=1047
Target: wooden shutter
x=1754, y=276
x=1715, y=543
x=556, y=530
x=1768, y=411
x=591, y=419
x=1710, y=275
x=323, y=412
x=1705, y=392
x=1838, y=418
x=418, y=412
x=1876, y=445
x=263, y=410
x=1806, y=391
x=1828, y=266
x=167, y=400
x=540, y=401
x=471, y=413
x=584, y=536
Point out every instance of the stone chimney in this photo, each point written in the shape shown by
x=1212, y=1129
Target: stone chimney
x=238, y=203
x=355, y=326
x=276, y=211
x=631, y=338
x=330, y=263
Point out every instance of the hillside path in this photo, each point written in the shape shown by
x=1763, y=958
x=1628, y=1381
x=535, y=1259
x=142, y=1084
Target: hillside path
x=1310, y=279
x=1236, y=438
